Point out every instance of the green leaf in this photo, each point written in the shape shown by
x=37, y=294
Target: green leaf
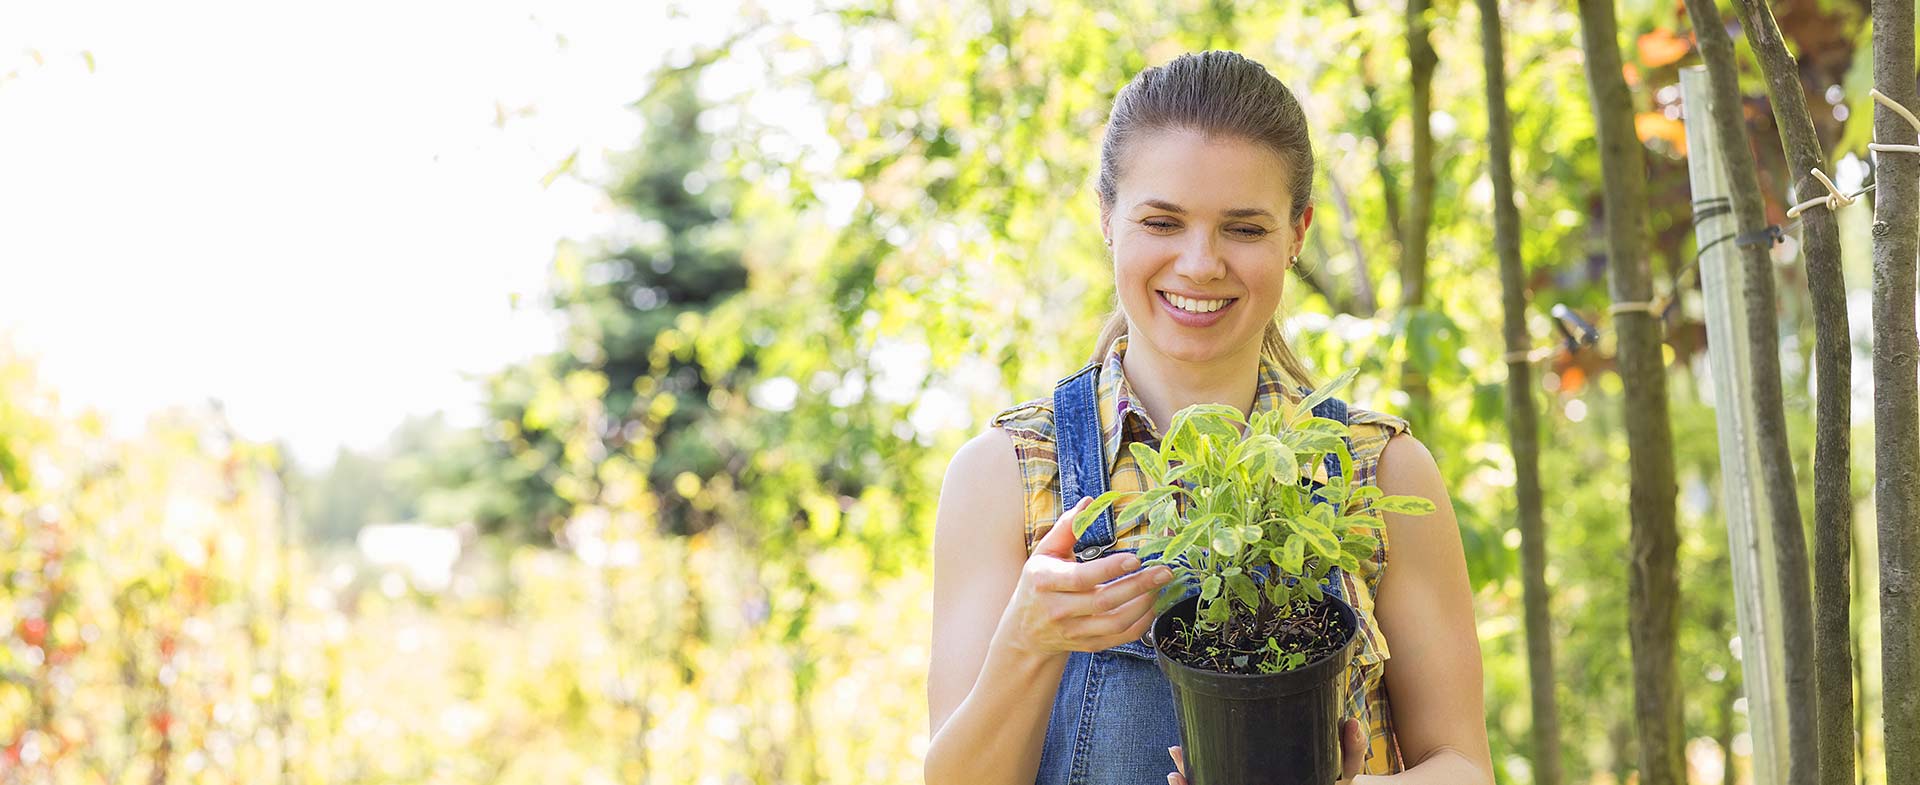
x=1218, y=413
x=1184, y=541
x=1181, y=471
x=1210, y=588
x=1326, y=390
x=1313, y=441
x=1367, y=521
x=1318, y=536
x=1243, y=590
x=1261, y=454
x=1293, y=554
x=1163, y=516
x=1408, y=505
x=1360, y=546
x=1226, y=540
x=1092, y=512
x=1150, y=461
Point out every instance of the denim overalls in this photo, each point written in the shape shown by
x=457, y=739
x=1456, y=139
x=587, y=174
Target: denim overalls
x=1113, y=716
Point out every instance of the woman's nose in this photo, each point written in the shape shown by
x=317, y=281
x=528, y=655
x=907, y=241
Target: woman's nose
x=1200, y=261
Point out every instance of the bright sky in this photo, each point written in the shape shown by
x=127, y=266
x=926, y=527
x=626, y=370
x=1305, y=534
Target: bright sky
x=307, y=211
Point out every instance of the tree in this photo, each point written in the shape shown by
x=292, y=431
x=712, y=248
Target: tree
x=1523, y=421
x=1654, y=585
x=1896, y=410
x=1770, y=426
x=1419, y=219
x=1833, y=430
x=680, y=262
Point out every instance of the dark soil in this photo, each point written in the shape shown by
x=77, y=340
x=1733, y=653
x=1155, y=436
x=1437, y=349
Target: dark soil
x=1307, y=626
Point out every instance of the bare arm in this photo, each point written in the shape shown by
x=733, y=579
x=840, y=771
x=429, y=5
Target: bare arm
x=1425, y=609
x=1005, y=620
x=988, y=702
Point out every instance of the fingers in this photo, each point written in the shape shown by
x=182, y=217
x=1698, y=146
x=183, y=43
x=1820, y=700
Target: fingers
x=1087, y=576
x=1058, y=541
x=1131, y=599
x=1179, y=775
x=1353, y=748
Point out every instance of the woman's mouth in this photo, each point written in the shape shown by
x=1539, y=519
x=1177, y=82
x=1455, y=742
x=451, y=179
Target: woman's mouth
x=1194, y=313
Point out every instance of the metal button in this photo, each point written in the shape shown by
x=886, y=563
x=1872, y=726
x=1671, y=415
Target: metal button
x=1092, y=551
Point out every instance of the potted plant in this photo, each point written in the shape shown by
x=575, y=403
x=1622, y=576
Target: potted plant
x=1251, y=519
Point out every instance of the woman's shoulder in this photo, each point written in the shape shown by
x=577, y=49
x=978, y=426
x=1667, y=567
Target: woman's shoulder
x=1030, y=419
x=1371, y=430
x=1377, y=419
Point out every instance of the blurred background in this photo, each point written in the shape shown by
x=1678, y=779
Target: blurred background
x=559, y=392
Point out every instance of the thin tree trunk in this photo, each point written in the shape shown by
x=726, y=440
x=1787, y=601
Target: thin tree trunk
x=1833, y=366
x=1316, y=278
x=1523, y=422
x=1654, y=588
x=1413, y=250
x=1732, y=692
x=1770, y=417
x=1896, y=402
x=1376, y=121
x=1859, y=673
x=1363, y=301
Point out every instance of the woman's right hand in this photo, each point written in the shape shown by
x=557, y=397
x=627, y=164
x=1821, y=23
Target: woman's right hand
x=1063, y=605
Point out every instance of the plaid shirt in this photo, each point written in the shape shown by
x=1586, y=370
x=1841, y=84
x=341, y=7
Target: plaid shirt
x=1122, y=420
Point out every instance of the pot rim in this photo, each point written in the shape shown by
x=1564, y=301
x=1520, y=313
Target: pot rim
x=1299, y=679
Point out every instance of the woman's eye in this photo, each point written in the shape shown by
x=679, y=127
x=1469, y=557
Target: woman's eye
x=1248, y=232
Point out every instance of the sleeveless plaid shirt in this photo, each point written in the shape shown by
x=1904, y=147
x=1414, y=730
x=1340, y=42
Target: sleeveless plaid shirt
x=1123, y=420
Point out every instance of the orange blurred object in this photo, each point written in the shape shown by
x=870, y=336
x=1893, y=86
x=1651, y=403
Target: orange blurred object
x=1662, y=47
x=1649, y=125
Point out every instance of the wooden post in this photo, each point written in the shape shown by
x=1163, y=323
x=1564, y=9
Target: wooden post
x=1756, y=587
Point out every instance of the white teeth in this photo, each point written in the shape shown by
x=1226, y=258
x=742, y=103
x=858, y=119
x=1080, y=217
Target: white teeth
x=1195, y=306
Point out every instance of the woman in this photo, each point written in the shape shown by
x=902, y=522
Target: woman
x=1038, y=672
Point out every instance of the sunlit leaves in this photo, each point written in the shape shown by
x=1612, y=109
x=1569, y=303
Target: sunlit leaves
x=1250, y=505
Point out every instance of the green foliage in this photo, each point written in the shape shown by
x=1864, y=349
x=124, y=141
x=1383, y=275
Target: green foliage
x=1229, y=499
x=825, y=282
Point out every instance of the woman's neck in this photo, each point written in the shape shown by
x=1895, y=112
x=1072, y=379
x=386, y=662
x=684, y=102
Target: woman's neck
x=1164, y=385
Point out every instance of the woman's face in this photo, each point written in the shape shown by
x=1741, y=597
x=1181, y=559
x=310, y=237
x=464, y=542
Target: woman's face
x=1201, y=219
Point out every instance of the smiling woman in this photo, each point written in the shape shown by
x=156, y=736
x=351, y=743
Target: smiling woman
x=1039, y=669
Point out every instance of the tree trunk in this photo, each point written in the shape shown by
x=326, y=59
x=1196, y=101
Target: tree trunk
x=1723, y=735
x=1860, y=674
x=1770, y=417
x=1362, y=301
x=1376, y=121
x=1833, y=366
x=1896, y=412
x=1523, y=422
x=1654, y=587
x=1413, y=249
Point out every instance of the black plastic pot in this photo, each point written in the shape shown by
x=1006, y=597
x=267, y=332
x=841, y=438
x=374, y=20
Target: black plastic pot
x=1258, y=729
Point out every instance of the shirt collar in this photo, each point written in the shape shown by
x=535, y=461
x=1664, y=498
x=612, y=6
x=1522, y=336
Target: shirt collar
x=1123, y=419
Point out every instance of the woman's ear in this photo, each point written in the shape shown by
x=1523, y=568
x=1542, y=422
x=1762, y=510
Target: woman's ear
x=1300, y=230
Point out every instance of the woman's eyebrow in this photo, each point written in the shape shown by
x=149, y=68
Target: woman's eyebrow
x=1237, y=212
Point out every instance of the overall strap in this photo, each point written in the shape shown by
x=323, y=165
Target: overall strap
x=1080, y=454
x=1336, y=410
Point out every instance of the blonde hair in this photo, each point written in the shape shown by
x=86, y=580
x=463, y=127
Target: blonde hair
x=1217, y=93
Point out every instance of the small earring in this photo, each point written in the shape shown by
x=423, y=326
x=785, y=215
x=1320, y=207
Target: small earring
x=1296, y=260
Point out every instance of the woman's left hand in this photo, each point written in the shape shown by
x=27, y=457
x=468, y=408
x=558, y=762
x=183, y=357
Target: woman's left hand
x=1353, y=752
